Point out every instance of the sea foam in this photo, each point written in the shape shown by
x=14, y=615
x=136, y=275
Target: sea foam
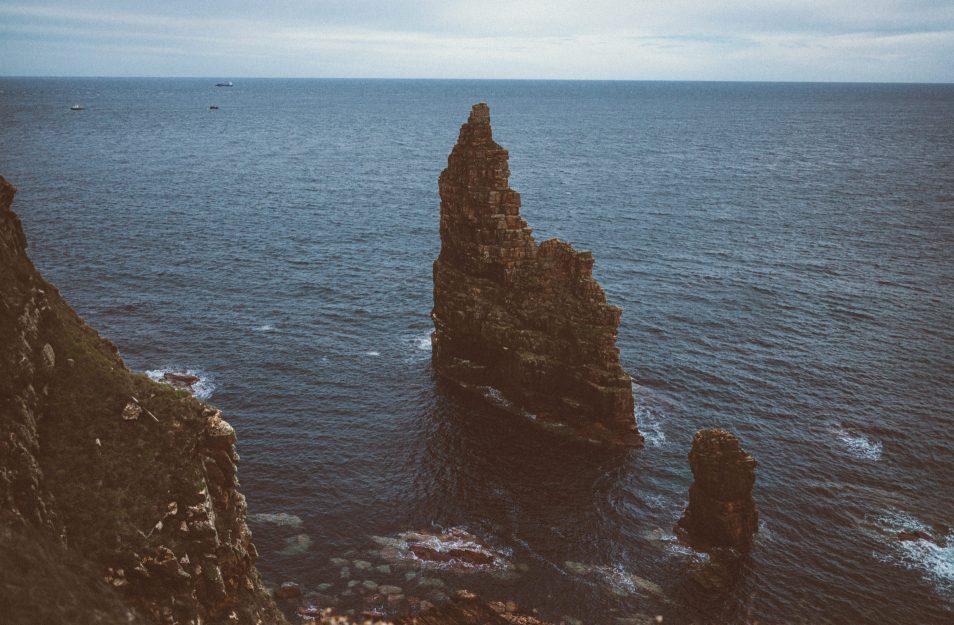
x=933, y=561
x=202, y=389
x=650, y=426
x=859, y=445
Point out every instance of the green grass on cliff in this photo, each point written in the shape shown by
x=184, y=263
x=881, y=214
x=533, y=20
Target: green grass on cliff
x=111, y=494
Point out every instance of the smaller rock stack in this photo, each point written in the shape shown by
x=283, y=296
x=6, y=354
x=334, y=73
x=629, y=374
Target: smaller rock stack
x=721, y=511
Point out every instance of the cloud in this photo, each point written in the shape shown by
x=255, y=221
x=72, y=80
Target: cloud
x=889, y=40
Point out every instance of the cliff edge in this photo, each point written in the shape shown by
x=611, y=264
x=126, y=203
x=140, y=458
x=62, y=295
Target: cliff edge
x=528, y=320
x=118, y=496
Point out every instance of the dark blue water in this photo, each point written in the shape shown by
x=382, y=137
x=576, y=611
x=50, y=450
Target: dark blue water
x=782, y=252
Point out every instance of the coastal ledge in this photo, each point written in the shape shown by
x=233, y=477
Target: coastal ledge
x=525, y=319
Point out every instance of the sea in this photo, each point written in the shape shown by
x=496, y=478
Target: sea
x=783, y=254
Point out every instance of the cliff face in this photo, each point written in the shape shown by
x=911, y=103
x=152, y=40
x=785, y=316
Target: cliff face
x=721, y=511
x=119, y=495
x=526, y=319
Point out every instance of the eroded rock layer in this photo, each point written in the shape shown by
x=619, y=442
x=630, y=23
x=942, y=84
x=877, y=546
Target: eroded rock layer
x=528, y=320
x=721, y=510
x=118, y=496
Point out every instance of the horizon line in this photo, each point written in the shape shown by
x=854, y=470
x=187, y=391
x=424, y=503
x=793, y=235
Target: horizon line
x=394, y=78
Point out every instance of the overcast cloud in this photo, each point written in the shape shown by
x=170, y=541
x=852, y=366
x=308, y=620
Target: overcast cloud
x=861, y=40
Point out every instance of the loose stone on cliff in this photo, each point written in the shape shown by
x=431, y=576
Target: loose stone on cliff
x=526, y=321
x=131, y=411
x=721, y=511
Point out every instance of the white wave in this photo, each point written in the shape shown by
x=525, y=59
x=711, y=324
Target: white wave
x=660, y=501
x=265, y=328
x=677, y=548
x=934, y=562
x=649, y=425
x=417, y=347
x=404, y=544
x=859, y=445
x=202, y=389
x=372, y=353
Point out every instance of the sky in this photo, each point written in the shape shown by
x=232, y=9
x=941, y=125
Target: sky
x=778, y=40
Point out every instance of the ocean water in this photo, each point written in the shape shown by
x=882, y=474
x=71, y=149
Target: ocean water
x=783, y=254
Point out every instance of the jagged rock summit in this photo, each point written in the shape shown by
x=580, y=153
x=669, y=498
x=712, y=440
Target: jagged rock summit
x=525, y=319
x=721, y=510
x=119, y=501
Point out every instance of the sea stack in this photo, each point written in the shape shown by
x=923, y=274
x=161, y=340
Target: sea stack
x=721, y=511
x=525, y=319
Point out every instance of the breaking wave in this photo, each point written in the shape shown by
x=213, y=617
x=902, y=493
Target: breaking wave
x=650, y=426
x=858, y=445
x=933, y=560
x=202, y=389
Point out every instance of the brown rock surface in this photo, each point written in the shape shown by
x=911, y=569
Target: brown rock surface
x=106, y=519
x=528, y=320
x=721, y=510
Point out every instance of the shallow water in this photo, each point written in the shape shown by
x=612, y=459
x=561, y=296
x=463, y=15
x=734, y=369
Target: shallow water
x=782, y=253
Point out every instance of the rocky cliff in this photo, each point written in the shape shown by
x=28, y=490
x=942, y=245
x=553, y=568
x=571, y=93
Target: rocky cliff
x=721, y=510
x=528, y=320
x=118, y=496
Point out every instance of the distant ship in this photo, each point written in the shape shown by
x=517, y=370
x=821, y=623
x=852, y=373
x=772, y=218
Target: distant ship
x=224, y=84
x=76, y=107
x=213, y=108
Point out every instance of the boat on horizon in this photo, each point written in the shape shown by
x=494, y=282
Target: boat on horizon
x=77, y=107
x=224, y=84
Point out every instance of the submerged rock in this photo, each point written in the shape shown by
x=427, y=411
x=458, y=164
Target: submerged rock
x=523, y=320
x=912, y=535
x=180, y=380
x=288, y=590
x=454, y=550
x=614, y=579
x=276, y=518
x=721, y=511
x=467, y=556
x=296, y=545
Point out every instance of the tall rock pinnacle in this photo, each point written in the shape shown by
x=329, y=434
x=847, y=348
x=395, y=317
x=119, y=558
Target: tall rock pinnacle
x=528, y=320
x=721, y=511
